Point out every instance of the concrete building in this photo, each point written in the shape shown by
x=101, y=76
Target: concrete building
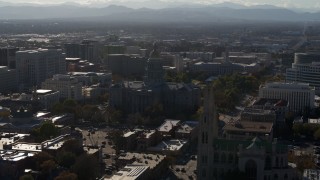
x=35, y=66
x=132, y=172
x=305, y=69
x=68, y=86
x=8, y=57
x=157, y=163
x=218, y=156
x=8, y=80
x=46, y=97
x=298, y=95
x=136, y=96
x=126, y=65
x=216, y=68
x=311, y=174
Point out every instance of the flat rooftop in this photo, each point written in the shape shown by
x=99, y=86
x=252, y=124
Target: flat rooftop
x=130, y=172
x=151, y=160
x=170, y=145
x=244, y=126
x=32, y=147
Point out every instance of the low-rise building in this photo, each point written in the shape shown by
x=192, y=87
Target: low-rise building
x=8, y=80
x=131, y=172
x=170, y=147
x=68, y=86
x=245, y=130
x=311, y=174
x=167, y=129
x=187, y=130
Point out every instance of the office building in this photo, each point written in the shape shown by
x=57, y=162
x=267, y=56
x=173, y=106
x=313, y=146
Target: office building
x=68, y=86
x=299, y=96
x=8, y=80
x=7, y=57
x=35, y=66
x=305, y=69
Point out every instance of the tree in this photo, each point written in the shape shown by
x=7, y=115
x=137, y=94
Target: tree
x=66, y=159
x=65, y=175
x=48, y=130
x=86, y=167
x=117, y=138
x=316, y=134
x=26, y=177
x=42, y=157
x=48, y=166
x=73, y=146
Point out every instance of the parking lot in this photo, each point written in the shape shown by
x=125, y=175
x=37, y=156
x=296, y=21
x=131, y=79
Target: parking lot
x=185, y=168
x=99, y=137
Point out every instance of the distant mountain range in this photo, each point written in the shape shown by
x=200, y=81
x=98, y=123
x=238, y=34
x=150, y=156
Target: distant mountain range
x=176, y=13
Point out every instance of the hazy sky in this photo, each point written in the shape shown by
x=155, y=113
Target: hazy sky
x=282, y=3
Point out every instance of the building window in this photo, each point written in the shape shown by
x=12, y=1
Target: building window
x=216, y=157
x=230, y=159
x=204, y=173
x=204, y=159
x=275, y=177
x=251, y=170
x=223, y=158
x=268, y=163
x=286, y=177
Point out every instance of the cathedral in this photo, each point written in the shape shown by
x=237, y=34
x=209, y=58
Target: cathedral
x=251, y=158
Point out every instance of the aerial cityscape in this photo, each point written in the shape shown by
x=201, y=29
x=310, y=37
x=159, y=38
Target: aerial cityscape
x=160, y=90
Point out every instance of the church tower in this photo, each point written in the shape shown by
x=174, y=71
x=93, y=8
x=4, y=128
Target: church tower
x=208, y=131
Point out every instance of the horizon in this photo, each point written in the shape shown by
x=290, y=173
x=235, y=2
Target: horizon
x=158, y=4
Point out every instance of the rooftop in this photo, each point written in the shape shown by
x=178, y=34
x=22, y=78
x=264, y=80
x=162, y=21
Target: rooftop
x=273, y=102
x=151, y=160
x=15, y=155
x=170, y=145
x=130, y=172
x=244, y=126
x=168, y=125
x=31, y=147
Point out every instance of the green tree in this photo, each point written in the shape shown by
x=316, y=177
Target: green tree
x=48, y=166
x=66, y=159
x=86, y=167
x=117, y=138
x=65, y=175
x=26, y=177
x=316, y=134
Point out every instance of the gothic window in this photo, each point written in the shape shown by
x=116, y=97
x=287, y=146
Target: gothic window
x=223, y=158
x=204, y=173
x=216, y=157
x=268, y=163
x=251, y=170
x=277, y=162
x=202, y=137
x=230, y=159
x=286, y=177
x=275, y=176
x=205, y=119
x=204, y=159
x=206, y=138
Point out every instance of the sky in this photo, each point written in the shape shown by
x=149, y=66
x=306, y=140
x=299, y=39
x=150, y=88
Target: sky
x=281, y=3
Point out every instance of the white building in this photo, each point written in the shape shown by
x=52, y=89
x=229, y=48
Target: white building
x=8, y=79
x=305, y=69
x=46, y=97
x=298, y=95
x=68, y=86
x=35, y=66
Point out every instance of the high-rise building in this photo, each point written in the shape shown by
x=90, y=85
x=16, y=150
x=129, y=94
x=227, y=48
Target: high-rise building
x=7, y=57
x=299, y=95
x=305, y=69
x=35, y=66
x=8, y=79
